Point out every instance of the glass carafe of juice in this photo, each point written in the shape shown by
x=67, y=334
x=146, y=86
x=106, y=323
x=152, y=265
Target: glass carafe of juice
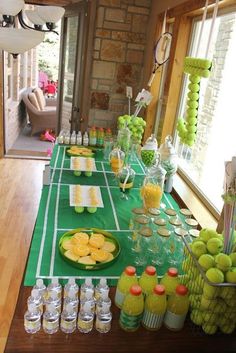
x=152, y=189
x=117, y=157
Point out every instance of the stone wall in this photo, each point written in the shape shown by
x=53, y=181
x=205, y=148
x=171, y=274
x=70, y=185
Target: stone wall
x=119, y=46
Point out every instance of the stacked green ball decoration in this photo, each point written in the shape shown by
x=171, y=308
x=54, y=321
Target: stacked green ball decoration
x=81, y=209
x=196, y=68
x=136, y=126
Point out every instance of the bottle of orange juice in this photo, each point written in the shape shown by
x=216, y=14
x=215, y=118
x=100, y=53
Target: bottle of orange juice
x=155, y=308
x=148, y=280
x=126, y=280
x=132, y=309
x=177, y=308
x=170, y=280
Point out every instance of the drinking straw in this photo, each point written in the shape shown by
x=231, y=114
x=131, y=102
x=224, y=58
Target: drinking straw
x=227, y=222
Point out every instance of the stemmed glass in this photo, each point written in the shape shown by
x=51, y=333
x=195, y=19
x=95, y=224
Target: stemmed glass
x=126, y=180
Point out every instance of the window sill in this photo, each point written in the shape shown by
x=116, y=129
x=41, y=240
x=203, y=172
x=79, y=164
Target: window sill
x=194, y=204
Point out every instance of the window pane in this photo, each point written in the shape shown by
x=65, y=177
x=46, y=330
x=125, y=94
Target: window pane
x=215, y=142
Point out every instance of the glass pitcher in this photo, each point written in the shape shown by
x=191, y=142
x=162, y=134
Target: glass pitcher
x=126, y=180
x=149, y=151
x=153, y=185
x=116, y=158
x=123, y=140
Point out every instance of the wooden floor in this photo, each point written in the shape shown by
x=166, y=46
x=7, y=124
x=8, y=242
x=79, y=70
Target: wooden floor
x=20, y=190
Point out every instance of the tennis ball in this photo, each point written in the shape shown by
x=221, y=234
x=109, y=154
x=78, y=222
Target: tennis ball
x=199, y=248
x=210, y=317
x=193, y=87
x=231, y=302
x=223, y=262
x=91, y=209
x=193, y=96
x=215, y=275
x=206, y=261
x=206, y=234
x=209, y=329
x=88, y=174
x=191, y=128
x=191, y=121
x=233, y=258
x=230, y=275
x=207, y=304
x=227, y=328
x=227, y=293
x=192, y=104
x=209, y=291
x=79, y=209
x=214, y=246
x=191, y=113
x=205, y=73
x=191, y=136
x=77, y=173
x=196, y=317
x=194, y=78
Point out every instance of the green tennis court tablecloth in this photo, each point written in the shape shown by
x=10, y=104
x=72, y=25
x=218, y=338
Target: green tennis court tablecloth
x=55, y=217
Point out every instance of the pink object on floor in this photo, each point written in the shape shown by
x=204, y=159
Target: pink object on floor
x=49, y=137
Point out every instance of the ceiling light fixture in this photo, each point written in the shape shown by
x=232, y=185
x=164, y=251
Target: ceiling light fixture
x=18, y=40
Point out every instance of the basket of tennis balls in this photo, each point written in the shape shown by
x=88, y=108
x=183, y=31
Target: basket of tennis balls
x=210, y=276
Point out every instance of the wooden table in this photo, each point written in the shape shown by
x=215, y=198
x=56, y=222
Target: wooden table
x=189, y=340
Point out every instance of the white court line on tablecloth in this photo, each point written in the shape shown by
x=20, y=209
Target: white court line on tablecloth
x=107, y=230
x=171, y=206
x=100, y=186
x=140, y=164
x=112, y=204
x=54, y=242
x=78, y=277
x=45, y=223
x=95, y=171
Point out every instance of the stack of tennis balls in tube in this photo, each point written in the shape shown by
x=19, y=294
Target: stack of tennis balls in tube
x=196, y=68
x=212, y=307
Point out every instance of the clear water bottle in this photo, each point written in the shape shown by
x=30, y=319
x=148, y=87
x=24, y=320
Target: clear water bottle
x=32, y=319
x=71, y=284
x=88, y=298
x=35, y=298
x=53, y=299
x=103, y=319
x=87, y=286
x=85, y=319
x=40, y=286
x=72, y=299
x=67, y=138
x=55, y=286
x=60, y=138
x=85, y=139
x=51, y=319
x=79, y=138
x=68, y=319
x=103, y=299
x=73, y=138
x=100, y=288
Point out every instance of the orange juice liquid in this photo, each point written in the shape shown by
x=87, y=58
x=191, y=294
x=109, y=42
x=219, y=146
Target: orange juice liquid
x=151, y=194
x=116, y=164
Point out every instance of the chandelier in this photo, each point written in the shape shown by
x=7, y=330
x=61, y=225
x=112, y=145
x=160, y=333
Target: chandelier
x=34, y=24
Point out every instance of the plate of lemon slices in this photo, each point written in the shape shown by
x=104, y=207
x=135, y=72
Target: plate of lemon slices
x=89, y=248
x=80, y=151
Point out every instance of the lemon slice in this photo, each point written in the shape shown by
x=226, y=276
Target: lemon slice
x=81, y=250
x=99, y=255
x=87, y=260
x=97, y=240
x=92, y=248
x=71, y=255
x=82, y=238
x=108, y=246
x=67, y=244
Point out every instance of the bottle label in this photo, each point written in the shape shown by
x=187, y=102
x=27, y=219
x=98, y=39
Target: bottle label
x=85, y=325
x=51, y=325
x=68, y=325
x=32, y=325
x=130, y=321
x=119, y=298
x=173, y=321
x=151, y=320
x=103, y=326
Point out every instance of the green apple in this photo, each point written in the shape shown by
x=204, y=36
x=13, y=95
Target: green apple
x=233, y=258
x=88, y=174
x=227, y=328
x=77, y=173
x=79, y=209
x=91, y=209
x=198, y=248
x=196, y=317
x=230, y=275
x=214, y=246
x=209, y=329
x=206, y=261
x=215, y=275
x=223, y=262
